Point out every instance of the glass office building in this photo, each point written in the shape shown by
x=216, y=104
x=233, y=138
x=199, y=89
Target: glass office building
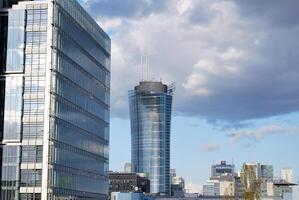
x=150, y=111
x=55, y=97
x=266, y=172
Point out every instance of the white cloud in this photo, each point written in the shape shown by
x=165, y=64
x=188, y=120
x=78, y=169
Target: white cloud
x=232, y=54
x=226, y=65
x=184, y=5
x=261, y=132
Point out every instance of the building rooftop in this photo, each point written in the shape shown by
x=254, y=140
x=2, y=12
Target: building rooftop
x=151, y=86
x=283, y=183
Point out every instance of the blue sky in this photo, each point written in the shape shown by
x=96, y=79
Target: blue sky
x=235, y=66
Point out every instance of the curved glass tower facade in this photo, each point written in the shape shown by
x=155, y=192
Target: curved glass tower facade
x=150, y=111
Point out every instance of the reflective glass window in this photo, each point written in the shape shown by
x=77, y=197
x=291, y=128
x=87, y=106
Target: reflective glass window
x=31, y=177
x=15, y=41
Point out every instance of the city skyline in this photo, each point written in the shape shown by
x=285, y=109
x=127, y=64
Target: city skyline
x=234, y=65
x=67, y=120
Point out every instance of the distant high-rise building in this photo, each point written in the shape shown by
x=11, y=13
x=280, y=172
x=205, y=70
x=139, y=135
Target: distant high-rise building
x=128, y=168
x=286, y=174
x=177, y=184
x=172, y=173
x=222, y=169
x=55, y=89
x=266, y=172
x=150, y=111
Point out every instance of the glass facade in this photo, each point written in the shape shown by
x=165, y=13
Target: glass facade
x=9, y=3
x=13, y=106
x=266, y=172
x=150, y=111
x=3, y=40
x=80, y=111
x=57, y=103
x=10, y=173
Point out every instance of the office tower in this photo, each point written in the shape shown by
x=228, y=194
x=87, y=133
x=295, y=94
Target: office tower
x=8, y=179
x=150, y=111
x=286, y=174
x=266, y=172
x=222, y=169
x=177, y=184
x=172, y=173
x=56, y=112
x=128, y=168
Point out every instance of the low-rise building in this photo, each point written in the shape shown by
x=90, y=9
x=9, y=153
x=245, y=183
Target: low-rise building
x=283, y=190
x=239, y=187
x=128, y=182
x=267, y=188
x=130, y=196
x=211, y=188
x=219, y=188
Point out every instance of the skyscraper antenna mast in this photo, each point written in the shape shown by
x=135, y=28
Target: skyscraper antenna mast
x=147, y=69
x=141, y=63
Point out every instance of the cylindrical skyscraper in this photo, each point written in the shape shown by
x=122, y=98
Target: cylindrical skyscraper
x=150, y=110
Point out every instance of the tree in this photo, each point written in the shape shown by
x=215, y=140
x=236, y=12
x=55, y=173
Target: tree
x=251, y=182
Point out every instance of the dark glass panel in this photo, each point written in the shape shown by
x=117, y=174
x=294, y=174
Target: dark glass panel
x=31, y=178
x=10, y=172
x=32, y=154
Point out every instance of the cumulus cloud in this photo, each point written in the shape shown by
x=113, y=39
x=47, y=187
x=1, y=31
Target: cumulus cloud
x=261, y=132
x=209, y=147
x=231, y=61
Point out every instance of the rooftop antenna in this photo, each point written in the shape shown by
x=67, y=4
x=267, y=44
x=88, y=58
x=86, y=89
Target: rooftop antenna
x=146, y=62
x=141, y=63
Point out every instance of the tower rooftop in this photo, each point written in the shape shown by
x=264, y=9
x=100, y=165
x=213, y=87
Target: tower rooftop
x=151, y=86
